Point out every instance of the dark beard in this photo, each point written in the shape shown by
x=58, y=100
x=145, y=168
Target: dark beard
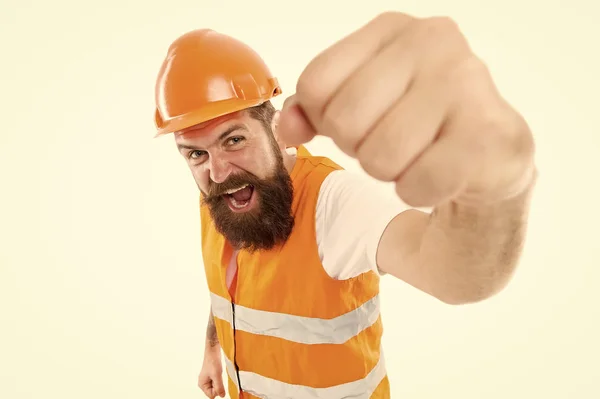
x=269, y=224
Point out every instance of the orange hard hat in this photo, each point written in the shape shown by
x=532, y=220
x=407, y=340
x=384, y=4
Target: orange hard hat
x=205, y=75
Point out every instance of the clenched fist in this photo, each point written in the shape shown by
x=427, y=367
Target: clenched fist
x=210, y=379
x=414, y=105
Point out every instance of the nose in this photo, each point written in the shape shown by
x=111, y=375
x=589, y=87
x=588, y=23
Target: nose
x=220, y=169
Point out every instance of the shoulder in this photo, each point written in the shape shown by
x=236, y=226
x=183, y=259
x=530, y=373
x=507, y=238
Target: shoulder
x=344, y=190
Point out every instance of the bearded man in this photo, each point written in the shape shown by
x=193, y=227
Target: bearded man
x=293, y=245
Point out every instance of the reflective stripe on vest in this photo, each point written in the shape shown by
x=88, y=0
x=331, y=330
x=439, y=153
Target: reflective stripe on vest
x=299, y=329
x=264, y=387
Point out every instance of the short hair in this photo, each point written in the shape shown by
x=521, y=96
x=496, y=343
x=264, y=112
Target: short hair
x=263, y=113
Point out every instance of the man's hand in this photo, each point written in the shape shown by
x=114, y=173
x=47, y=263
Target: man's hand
x=210, y=379
x=411, y=102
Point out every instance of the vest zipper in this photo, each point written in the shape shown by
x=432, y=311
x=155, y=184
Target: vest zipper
x=237, y=369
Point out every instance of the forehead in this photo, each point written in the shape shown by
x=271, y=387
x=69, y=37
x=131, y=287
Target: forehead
x=209, y=131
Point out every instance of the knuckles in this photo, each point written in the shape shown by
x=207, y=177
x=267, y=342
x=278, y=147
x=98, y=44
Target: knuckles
x=439, y=26
x=427, y=32
x=430, y=29
x=465, y=74
x=391, y=18
x=494, y=132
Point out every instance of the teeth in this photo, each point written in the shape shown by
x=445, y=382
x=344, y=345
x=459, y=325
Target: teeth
x=238, y=205
x=236, y=189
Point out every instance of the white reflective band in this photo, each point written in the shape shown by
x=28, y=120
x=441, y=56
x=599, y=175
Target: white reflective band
x=268, y=388
x=299, y=329
x=231, y=372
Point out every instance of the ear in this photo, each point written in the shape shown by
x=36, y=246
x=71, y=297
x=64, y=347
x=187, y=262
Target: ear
x=274, y=127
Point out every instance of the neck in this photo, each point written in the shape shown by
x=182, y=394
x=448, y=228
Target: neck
x=289, y=160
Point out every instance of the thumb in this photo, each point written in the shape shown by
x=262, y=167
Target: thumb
x=219, y=386
x=294, y=127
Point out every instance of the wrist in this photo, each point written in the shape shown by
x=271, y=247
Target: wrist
x=212, y=352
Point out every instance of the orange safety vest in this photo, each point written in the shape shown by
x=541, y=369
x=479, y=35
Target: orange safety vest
x=290, y=330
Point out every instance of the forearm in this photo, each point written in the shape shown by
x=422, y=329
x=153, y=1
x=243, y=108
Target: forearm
x=471, y=252
x=212, y=340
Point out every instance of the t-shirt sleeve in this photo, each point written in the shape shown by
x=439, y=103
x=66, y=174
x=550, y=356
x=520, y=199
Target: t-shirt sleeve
x=353, y=211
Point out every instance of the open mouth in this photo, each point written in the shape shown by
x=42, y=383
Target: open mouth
x=240, y=199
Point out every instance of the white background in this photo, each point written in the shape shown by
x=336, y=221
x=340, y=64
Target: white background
x=102, y=291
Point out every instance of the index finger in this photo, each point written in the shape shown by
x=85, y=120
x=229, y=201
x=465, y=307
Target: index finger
x=207, y=388
x=326, y=73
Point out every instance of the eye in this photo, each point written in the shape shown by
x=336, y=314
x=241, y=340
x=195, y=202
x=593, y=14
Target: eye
x=196, y=154
x=235, y=140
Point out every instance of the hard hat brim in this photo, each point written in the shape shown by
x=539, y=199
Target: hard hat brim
x=208, y=112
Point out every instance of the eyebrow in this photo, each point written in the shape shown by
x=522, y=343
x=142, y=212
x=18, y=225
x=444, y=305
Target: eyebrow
x=222, y=136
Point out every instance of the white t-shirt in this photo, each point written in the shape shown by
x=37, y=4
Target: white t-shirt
x=352, y=213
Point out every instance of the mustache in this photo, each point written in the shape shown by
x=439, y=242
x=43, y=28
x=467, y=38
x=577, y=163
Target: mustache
x=216, y=190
